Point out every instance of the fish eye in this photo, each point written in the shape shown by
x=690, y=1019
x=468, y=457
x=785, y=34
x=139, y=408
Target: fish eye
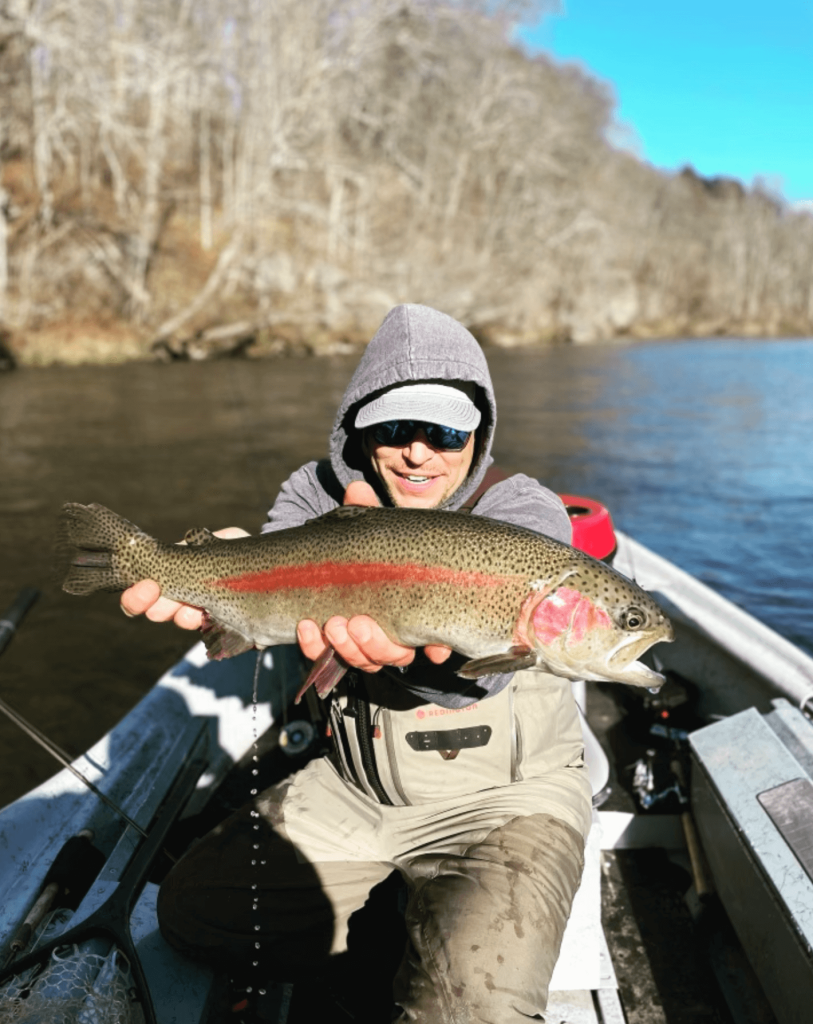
x=633, y=618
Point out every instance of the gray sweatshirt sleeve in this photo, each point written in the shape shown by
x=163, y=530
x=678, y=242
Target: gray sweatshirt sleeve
x=522, y=501
x=301, y=497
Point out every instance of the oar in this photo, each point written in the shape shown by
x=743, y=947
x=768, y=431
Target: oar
x=15, y=615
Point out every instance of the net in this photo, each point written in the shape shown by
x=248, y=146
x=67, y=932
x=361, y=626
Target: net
x=88, y=983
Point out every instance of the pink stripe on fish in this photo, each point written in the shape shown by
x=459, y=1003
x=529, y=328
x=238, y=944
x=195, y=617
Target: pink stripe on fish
x=317, y=575
x=567, y=609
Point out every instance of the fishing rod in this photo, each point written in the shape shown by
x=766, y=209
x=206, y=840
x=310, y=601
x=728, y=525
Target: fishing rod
x=8, y=627
x=16, y=613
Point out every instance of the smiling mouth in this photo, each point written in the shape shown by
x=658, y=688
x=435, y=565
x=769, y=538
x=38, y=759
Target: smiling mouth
x=416, y=478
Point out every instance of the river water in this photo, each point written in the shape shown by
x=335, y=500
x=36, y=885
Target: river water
x=703, y=450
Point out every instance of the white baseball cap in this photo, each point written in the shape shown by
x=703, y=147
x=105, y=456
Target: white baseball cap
x=450, y=405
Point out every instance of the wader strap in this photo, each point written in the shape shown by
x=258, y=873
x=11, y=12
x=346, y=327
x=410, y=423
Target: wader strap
x=493, y=476
x=356, y=716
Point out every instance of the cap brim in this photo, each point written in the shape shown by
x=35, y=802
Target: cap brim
x=429, y=408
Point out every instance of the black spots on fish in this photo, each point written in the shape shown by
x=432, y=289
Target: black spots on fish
x=342, y=512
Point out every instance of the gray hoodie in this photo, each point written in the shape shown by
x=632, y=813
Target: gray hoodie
x=416, y=343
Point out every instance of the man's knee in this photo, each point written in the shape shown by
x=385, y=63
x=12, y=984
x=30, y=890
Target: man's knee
x=485, y=928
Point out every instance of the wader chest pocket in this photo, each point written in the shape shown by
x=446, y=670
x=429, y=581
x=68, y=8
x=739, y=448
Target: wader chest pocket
x=450, y=739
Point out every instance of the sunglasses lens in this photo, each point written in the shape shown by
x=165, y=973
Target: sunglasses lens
x=448, y=438
x=395, y=433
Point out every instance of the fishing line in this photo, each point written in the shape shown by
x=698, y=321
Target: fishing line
x=255, y=814
x=8, y=626
x=64, y=760
x=256, y=464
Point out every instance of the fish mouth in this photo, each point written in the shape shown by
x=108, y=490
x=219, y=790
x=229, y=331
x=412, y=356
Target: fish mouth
x=623, y=667
x=636, y=673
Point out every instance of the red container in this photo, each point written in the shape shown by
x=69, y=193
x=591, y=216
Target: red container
x=593, y=530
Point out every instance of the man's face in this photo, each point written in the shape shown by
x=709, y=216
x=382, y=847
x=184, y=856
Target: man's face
x=416, y=475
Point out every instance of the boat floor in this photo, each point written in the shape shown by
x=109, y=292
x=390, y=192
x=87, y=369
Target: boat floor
x=677, y=960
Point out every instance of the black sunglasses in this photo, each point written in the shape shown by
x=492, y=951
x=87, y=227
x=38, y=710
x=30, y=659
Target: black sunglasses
x=396, y=433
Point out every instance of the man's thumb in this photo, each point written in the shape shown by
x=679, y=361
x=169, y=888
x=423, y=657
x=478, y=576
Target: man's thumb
x=360, y=493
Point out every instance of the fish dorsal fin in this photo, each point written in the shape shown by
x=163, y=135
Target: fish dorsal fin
x=197, y=536
x=343, y=512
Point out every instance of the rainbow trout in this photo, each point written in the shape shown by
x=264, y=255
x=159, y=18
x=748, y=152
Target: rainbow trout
x=505, y=597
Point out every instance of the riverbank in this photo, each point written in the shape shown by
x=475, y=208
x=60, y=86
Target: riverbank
x=75, y=342
x=297, y=173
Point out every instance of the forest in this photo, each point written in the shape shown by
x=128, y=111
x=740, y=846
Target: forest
x=196, y=178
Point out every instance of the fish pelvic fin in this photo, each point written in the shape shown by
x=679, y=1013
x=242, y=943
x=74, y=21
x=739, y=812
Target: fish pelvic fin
x=223, y=641
x=88, y=539
x=513, y=660
x=325, y=673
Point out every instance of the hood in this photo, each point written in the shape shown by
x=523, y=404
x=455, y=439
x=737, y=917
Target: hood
x=414, y=343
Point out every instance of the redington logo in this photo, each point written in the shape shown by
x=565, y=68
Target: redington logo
x=437, y=712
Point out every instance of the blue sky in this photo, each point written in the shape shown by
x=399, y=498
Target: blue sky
x=723, y=85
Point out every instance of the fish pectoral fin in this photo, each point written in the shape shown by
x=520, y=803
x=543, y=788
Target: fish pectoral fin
x=197, y=536
x=513, y=660
x=326, y=671
x=223, y=641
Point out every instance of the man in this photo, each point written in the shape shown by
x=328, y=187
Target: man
x=476, y=792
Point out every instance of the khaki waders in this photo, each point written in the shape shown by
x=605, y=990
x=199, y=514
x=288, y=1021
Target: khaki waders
x=483, y=811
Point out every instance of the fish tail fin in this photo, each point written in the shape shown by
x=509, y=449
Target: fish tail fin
x=89, y=539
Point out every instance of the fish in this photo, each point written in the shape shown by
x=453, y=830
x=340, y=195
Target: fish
x=505, y=597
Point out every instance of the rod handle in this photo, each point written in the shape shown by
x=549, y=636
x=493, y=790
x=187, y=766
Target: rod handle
x=13, y=616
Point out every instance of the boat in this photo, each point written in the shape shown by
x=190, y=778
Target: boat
x=719, y=793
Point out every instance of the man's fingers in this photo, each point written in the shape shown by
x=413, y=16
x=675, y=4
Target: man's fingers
x=311, y=640
x=188, y=617
x=345, y=646
x=231, y=533
x=141, y=596
x=361, y=642
x=144, y=598
x=374, y=644
x=162, y=610
x=437, y=653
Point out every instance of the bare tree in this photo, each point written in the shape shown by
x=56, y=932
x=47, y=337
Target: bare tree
x=297, y=165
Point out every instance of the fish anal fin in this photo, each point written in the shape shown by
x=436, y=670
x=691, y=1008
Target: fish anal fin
x=223, y=641
x=197, y=536
x=325, y=673
x=513, y=660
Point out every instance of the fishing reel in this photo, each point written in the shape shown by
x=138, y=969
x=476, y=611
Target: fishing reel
x=296, y=737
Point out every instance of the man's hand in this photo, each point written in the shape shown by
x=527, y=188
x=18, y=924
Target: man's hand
x=144, y=597
x=360, y=641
